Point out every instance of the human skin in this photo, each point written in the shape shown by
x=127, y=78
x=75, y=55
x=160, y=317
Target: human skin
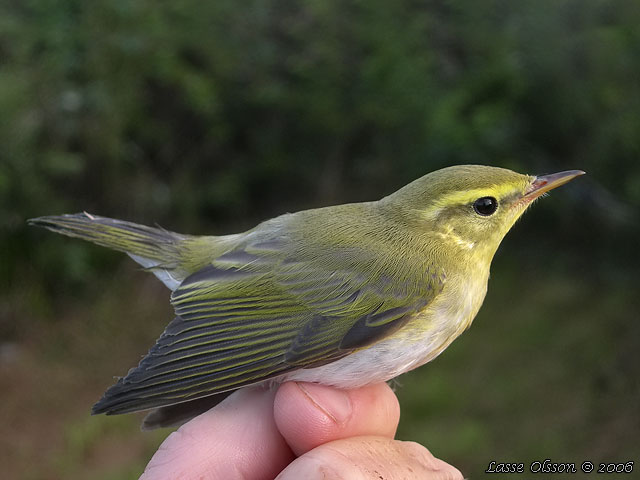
x=300, y=430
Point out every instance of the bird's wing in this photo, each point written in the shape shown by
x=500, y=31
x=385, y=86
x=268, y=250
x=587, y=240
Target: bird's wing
x=261, y=310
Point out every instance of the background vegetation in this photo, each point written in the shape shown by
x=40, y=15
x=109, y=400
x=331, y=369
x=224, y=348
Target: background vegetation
x=207, y=117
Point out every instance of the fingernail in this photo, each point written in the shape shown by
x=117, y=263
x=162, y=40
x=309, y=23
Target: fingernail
x=333, y=402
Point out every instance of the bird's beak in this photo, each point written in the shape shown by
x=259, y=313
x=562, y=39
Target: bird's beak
x=544, y=183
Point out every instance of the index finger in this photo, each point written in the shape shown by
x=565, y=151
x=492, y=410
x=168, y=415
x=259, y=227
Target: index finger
x=237, y=439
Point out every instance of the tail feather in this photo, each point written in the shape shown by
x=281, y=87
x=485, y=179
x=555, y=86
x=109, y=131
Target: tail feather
x=154, y=248
x=179, y=413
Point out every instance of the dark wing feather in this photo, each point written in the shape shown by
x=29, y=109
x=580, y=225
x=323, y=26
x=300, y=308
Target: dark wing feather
x=260, y=311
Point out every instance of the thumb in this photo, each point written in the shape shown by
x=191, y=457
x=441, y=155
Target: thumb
x=308, y=414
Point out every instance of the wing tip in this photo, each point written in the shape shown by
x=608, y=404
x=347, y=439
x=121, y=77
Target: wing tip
x=108, y=403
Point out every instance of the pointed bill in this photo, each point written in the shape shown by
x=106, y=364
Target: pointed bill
x=544, y=183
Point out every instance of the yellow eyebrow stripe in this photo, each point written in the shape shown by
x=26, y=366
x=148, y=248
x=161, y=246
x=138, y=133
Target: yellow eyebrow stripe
x=464, y=197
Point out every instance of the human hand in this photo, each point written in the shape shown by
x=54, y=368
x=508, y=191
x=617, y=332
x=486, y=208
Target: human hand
x=300, y=431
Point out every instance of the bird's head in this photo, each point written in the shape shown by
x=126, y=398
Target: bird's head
x=471, y=207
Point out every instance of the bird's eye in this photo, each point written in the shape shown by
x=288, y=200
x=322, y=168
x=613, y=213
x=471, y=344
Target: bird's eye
x=485, y=206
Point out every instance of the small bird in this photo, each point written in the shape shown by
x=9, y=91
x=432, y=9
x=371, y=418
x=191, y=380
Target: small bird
x=346, y=295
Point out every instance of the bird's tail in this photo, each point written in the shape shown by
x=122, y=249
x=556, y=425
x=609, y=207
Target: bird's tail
x=154, y=248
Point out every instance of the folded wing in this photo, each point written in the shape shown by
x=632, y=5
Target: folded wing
x=263, y=309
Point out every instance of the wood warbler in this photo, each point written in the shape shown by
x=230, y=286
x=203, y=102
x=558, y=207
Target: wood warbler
x=345, y=296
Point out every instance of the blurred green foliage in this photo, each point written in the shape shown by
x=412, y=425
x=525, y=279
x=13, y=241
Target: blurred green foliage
x=199, y=113
x=207, y=117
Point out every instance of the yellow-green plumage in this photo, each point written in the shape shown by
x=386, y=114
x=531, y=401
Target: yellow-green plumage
x=344, y=295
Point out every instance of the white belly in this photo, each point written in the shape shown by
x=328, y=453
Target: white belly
x=417, y=343
x=379, y=363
